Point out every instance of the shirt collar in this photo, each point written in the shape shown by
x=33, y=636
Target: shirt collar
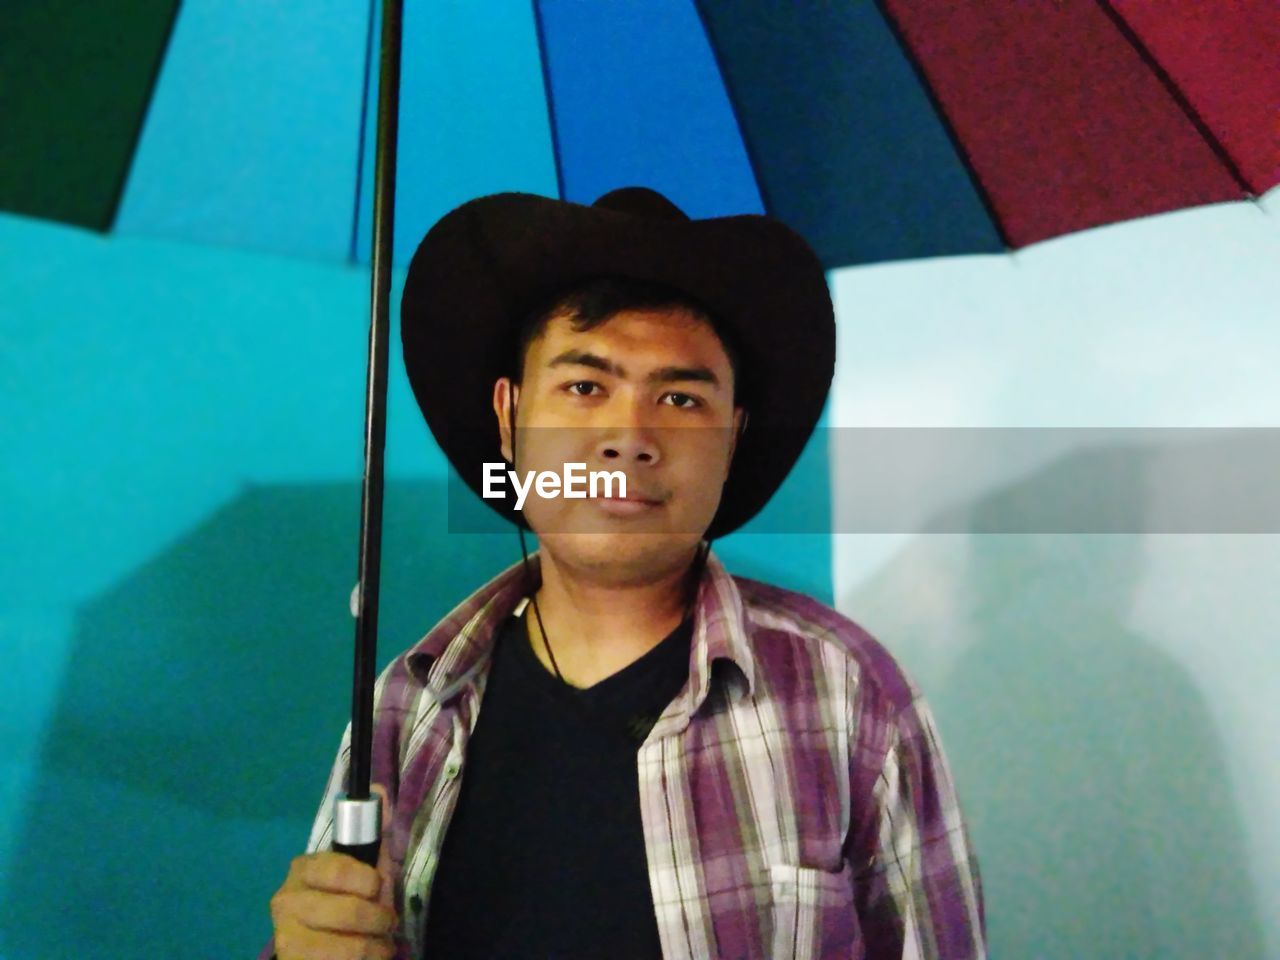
x=446, y=658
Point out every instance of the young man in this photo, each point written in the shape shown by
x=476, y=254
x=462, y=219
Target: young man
x=670, y=762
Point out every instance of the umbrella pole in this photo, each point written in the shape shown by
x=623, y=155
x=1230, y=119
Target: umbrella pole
x=357, y=815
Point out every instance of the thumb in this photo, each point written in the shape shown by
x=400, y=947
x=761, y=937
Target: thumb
x=385, y=867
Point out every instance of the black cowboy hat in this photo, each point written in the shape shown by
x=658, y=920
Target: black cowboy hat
x=487, y=264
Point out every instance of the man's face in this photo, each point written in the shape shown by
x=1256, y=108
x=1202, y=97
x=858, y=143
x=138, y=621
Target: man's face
x=648, y=393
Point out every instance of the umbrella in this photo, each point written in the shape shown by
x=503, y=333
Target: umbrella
x=879, y=131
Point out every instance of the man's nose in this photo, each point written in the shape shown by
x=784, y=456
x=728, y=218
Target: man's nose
x=629, y=439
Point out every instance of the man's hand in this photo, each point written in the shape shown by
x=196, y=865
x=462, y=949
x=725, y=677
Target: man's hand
x=333, y=907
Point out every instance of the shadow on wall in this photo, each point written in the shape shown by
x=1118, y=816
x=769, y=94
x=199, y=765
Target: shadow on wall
x=1089, y=767
x=203, y=700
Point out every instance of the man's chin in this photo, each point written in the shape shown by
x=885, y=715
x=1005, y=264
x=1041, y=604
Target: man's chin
x=623, y=554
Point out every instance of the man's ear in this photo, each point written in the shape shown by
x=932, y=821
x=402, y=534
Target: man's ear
x=505, y=397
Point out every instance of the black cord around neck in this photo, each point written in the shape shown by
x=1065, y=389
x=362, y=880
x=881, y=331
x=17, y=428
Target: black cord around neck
x=695, y=573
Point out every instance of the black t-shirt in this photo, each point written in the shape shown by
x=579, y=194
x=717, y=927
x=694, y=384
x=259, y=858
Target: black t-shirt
x=544, y=856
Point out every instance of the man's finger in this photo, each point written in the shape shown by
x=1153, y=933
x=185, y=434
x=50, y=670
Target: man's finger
x=340, y=873
x=299, y=941
x=339, y=913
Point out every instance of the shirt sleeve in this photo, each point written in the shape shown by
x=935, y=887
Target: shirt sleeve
x=919, y=893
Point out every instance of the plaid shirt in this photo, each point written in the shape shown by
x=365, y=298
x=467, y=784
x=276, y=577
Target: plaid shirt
x=795, y=798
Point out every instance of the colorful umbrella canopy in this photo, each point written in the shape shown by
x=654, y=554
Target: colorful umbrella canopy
x=880, y=131
x=238, y=123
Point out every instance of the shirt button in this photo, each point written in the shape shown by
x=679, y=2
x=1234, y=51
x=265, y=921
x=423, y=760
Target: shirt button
x=451, y=769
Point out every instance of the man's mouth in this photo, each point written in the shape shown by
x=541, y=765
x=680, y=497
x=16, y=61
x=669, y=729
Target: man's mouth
x=633, y=504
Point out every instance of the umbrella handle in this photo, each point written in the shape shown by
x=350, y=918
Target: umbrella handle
x=375, y=433
x=357, y=828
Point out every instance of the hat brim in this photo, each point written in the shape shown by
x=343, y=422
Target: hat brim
x=485, y=265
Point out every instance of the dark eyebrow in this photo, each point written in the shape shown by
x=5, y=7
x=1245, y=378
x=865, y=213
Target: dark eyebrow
x=582, y=359
x=678, y=374
x=661, y=375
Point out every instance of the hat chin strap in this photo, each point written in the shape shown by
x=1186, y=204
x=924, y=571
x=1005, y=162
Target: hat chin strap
x=699, y=562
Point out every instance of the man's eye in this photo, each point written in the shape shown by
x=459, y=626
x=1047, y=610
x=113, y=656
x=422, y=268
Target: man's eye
x=684, y=401
x=586, y=387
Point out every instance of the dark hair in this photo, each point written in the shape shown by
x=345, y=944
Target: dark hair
x=591, y=302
